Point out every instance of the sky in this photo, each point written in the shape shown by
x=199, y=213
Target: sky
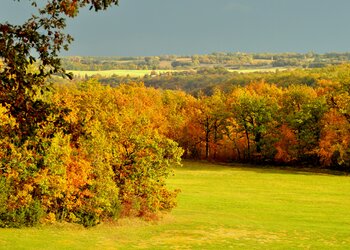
x=187, y=27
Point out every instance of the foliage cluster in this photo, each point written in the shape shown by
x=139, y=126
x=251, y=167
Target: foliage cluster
x=296, y=117
x=79, y=155
x=58, y=161
x=293, y=117
x=262, y=122
x=110, y=158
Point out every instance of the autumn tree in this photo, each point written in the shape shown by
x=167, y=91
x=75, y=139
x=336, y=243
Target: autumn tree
x=38, y=41
x=212, y=119
x=204, y=125
x=334, y=141
x=334, y=145
x=119, y=132
x=39, y=172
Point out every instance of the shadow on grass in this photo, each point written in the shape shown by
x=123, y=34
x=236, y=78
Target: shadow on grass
x=193, y=165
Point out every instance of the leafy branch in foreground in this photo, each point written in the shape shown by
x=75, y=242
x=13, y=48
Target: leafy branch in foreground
x=38, y=41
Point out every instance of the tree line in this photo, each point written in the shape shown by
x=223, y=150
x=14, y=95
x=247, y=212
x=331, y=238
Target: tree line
x=229, y=60
x=264, y=123
x=297, y=117
x=206, y=80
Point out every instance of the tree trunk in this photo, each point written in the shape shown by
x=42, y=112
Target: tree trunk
x=207, y=134
x=248, y=142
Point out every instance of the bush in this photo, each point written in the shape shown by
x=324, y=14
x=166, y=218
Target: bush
x=29, y=215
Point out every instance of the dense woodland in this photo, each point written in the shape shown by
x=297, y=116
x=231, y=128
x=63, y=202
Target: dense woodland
x=291, y=117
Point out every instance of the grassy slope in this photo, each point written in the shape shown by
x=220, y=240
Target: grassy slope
x=220, y=208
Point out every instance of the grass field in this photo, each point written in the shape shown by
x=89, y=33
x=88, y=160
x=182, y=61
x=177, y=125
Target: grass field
x=221, y=207
x=108, y=73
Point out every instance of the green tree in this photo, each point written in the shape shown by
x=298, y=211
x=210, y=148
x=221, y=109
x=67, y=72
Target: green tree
x=302, y=110
x=254, y=110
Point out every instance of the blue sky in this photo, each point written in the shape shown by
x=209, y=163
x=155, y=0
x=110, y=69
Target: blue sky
x=154, y=27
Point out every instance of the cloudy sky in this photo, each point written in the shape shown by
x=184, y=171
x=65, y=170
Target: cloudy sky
x=154, y=27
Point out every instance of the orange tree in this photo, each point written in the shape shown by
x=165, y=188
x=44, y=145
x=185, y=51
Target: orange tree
x=334, y=145
x=119, y=132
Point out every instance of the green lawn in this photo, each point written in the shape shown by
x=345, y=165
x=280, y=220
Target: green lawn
x=221, y=207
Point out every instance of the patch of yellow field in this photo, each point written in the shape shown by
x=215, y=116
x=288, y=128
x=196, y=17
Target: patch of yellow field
x=109, y=73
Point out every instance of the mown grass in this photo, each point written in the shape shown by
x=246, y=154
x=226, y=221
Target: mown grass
x=221, y=207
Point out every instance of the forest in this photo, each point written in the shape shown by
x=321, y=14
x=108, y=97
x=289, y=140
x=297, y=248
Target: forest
x=296, y=117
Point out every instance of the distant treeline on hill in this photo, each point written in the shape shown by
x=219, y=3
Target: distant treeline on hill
x=230, y=60
x=206, y=80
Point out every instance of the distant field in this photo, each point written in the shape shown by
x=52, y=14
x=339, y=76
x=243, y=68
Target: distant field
x=108, y=73
x=142, y=73
x=221, y=207
x=258, y=70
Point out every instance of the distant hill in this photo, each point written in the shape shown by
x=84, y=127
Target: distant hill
x=228, y=60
